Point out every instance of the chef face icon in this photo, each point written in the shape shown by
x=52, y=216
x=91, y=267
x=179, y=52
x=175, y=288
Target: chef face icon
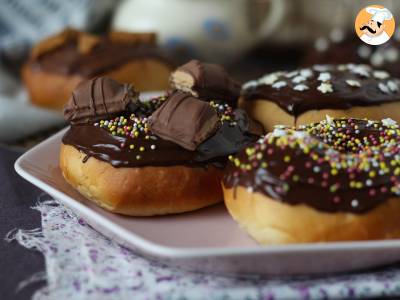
x=372, y=28
x=375, y=25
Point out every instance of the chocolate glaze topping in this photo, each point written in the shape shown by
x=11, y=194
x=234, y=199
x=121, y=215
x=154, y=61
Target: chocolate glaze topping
x=324, y=87
x=127, y=141
x=70, y=55
x=335, y=165
x=97, y=142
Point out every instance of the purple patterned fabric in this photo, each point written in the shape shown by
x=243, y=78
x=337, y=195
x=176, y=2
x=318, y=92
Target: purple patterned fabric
x=83, y=264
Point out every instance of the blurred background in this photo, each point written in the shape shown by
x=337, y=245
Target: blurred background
x=249, y=37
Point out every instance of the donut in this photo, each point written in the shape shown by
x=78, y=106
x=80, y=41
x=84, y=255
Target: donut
x=159, y=157
x=59, y=63
x=306, y=95
x=336, y=180
x=145, y=191
x=340, y=47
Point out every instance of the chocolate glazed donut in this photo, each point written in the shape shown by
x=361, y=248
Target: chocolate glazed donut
x=59, y=63
x=149, y=158
x=335, y=180
x=306, y=95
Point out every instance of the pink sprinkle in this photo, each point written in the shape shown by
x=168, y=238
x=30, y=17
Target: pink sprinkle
x=372, y=192
x=308, y=165
x=336, y=199
x=383, y=189
x=325, y=175
x=270, y=151
x=310, y=180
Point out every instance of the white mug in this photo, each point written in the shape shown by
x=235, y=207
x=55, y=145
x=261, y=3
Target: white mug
x=212, y=30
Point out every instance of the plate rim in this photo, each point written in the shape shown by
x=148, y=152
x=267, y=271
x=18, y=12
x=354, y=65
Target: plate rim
x=180, y=252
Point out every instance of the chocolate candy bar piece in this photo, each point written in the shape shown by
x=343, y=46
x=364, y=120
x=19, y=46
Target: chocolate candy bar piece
x=206, y=81
x=184, y=120
x=98, y=98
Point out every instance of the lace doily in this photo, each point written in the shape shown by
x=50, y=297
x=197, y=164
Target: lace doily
x=83, y=264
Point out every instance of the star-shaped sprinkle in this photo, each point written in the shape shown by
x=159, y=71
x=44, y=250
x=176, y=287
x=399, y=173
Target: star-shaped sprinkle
x=279, y=84
x=380, y=74
x=353, y=83
x=325, y=88
x=324, y=76
x=389, y=122
x=301, y=87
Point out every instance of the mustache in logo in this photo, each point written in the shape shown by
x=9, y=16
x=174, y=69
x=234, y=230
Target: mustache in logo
x=368, y=28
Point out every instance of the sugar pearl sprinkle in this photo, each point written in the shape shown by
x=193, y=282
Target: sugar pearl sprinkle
x=134, y=128
x=224, y=111
x=337, y=154
x=327, y=78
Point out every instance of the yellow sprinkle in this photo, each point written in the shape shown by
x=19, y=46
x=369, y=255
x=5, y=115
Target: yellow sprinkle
x=236, y=162
x=249, y=151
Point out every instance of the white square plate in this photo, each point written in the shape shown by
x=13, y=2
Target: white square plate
x=207, y=240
